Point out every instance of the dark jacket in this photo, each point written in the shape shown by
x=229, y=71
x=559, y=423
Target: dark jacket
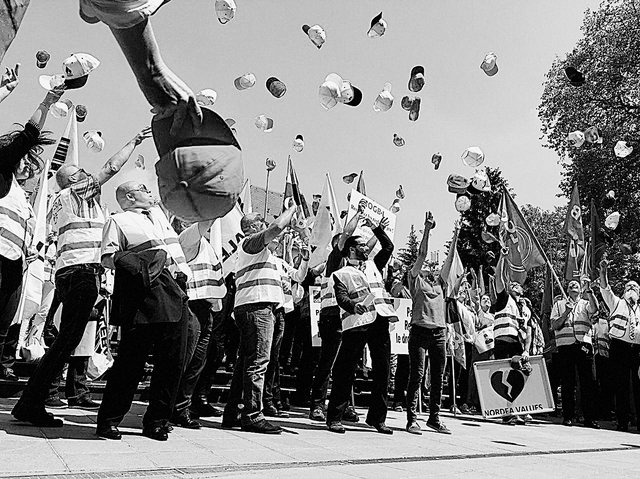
x=144, y=291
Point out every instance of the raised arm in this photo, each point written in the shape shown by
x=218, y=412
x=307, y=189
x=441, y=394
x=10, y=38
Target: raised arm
x=429, y=224
x=117, y=161
x=279, y=224
x=9, y=81
x=383, y=256
x=352, y=224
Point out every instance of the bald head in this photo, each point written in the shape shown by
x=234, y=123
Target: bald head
x=252, y=223
x=68, y=175
x=132, y=194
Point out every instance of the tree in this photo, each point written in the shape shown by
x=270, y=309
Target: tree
x=409, y=254
x=608, y=54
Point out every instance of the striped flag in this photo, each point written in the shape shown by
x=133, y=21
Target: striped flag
x=66, y=150
x=326, y=224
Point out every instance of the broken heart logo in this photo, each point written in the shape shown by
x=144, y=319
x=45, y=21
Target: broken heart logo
x=508, y=386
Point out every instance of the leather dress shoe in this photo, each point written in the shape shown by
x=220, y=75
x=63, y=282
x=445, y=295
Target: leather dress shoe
x=35, y=416
x=83, y=403
x=184, y=419
x=567, y=422
x=271, y=411
x=204, y=409
x=262, y=426
x=381, y=427
x=350, y=415
x=336, y=426
x=156, y=432
x=109, y=432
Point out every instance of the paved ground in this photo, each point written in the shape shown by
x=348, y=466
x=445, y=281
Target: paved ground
x=476, y=449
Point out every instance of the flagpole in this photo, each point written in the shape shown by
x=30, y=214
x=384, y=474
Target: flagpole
x=266, y=196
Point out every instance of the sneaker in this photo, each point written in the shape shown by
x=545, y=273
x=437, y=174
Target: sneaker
x=397, y=407
x=271, y=411
x=317, y=415
x=336, y=426
x=262, y=426
x=510, y=420
x=7, y=374
x=381, y=427
x=55, y=402
x=567, y=422
x=413, y=428
x=473, y=410
x=350, y=415
x=527, y=418
x=83, y=403
x=438, y=426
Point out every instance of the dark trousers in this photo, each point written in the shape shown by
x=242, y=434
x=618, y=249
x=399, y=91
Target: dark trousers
x=473, y=398
x=271, y=396
x=256, y=323
x=376, y=336
x=424, y=341
x=625, y=361
x=330, y=330
x=10, y=289
x=76, y=384
x=228, y=331
x=402, y=380
x=572, y=358
x=605, y=387
x=201, y=308
x=461, y=376
x=506, y=350
x=168, y=344
x=308, y=356
x=215, y=354
x=291, y=321
x=77, y=287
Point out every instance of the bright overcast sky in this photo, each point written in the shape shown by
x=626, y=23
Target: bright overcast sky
x=461, y=106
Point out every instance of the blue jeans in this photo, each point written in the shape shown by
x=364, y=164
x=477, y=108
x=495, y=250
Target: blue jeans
x=272, y=395
x=421, y=341
x=256, y=323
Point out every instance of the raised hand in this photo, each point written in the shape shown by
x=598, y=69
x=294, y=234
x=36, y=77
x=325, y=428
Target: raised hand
x=143, y=135
x=384, y=222
x=9, y=79
x=429, y=222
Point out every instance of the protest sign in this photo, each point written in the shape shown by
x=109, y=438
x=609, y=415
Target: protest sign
x=314, y=312
x=373, y=211
x=504, y=390
x=399, y=331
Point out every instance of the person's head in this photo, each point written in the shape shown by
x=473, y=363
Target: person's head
x=179, y=225
x=335, y=239
x=573, y=289
x=31, y=164
x=485, y=302
x=131, y=195
x=515, y=290
x=69, y=174
x=252, y=223
x=356, y=248
x=631, y=291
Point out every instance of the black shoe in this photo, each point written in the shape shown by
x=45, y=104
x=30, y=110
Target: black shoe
x=230, y=423
x=285, y=406
x=271, y=411
x=156, y=432
x=437, y=426
x=83, y=403
x=54, y=402
x=201, y=409
x=262, y=426
x=184, y=419
x=317, y=414
x=350, y=415
x=622, y=427
x=591, y=424
x=109, y=432
x=381, y=427
x=336, y=426
x=567, y=422
x=37, y=417
x=7, y=374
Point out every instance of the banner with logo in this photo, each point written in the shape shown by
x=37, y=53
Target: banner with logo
x=399, y=331
x=504, y=390
x=314, y=312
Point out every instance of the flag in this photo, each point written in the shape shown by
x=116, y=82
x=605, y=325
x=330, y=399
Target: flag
x=11, y=15
x=361, y=187
x=585, y=266
x=326, y=224
x=292, y=190
x=597, y=243
x=575, y=234
x=455, y=333
x=523, y=251
x=545, y=312
x=452, y=270
x=66, y=151
x=245, y=198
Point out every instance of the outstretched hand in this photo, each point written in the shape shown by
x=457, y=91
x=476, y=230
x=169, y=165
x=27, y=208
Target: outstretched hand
x=143, y=135
x=9, y=79
x=384, y=222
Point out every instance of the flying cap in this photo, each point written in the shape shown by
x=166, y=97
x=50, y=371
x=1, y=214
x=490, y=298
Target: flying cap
x=612, y=220
x=400, y=193
x=473, y=156
x=489, y=65
x=244, y=82
x=42, y=58
x=316, y=34
x=378, y=26
x=94, y=141
x=336, y=90
x=200, y=174
x=230, y=122
x=298, y=143
x=398, y=140
x=225, y=10
x=576, y=138
x=76, y=72
x=81, y=113
x=622, y=149
x=348, y=179
x=276, y=87
x=592, y=135
x=436, y=158
x=270, y=164
x=575, y=77
x=264, y=123
x=384, y=100
x=61, y=108
x=412, y=105
x=609, y=199
x=140, y=163
x=463, y=203
x=206, y=97
x=416, y=80
x=395, y=206
x=457, y=184
x=493, y=219
x=480, y=182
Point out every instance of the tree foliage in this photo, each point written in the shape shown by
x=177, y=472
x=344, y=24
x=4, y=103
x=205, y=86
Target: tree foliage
x=608, y=54
x=409, y=253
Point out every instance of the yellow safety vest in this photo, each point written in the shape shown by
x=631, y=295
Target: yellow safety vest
x=510, y=323
x=258, y=278
x=287, y=291
x=327, y=294
x=17, y=223
x=578, y=331
x=206, y=280
x=623, y=323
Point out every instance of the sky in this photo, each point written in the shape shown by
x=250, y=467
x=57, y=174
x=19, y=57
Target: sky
x=461, y=106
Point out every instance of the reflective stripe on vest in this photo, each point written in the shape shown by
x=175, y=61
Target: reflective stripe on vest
x=206, y=281
x=358, y=289
x=285, y=280
x=17, y=223
x=620, y=325
x=142, y=234
x=507, y=322
x=79, y=239
x=383, y=300
x=327, y=294
x=257, y=278
x=578, y=331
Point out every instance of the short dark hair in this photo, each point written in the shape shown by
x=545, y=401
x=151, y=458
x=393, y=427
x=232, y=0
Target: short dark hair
x=351, y=242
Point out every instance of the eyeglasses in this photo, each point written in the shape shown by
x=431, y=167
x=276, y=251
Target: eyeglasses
x=142, y=188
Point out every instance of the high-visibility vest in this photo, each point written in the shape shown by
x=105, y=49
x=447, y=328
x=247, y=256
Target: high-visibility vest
x=623, y=322
x=576, y=328
x=287, y=285
x=206, y=280
x=361, y=284
x=79, y=238
x=141, y=234
x=17, y=223
x=510, y=322
x=49, y=262
x=601, y=338
x=327, y=294
x=258, y=278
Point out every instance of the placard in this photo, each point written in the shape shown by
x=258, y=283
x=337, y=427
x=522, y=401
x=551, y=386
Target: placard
x=374, y=212
x=399, y=331
x=314, y=312
x=505, y=391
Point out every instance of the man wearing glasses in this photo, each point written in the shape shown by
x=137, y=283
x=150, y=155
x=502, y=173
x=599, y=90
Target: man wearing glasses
x=76, y=216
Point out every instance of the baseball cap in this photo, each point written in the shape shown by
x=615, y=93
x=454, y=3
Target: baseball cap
x=575, y=77
x=489, y=65
x=264, y=123
x=398, y=140
x=206, y=97
x=400, y=193
x=378, y=26
x=480, y=182
x=348, y=179
x=416, y=80
x=457, y=184
x=61, y=108
x=436, y=158
x=612, y=220
x=384, y=100
x=230, y=122
x=493, y=219
x=463, y=203
x=276, y=87
x=76, y=72
x=592, y=135
x=316, y=34
x=622, y=149
x=576, y=138
x=412, y=105
x=200, y=174
x=93, y=140
x=298, y=143
x=244, y=82
x=473, y=156
x=337, y=90
x=225, y=10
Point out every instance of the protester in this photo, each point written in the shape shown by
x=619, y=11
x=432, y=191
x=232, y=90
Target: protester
x=482, y=348
x=150, y=306
x=624, y=332
x=258, y=293
x=366, y=310
x=571, y=321
x=426, y=336
x=19, y=160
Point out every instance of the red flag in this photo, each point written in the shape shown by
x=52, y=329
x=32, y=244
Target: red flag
x=575, y=233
